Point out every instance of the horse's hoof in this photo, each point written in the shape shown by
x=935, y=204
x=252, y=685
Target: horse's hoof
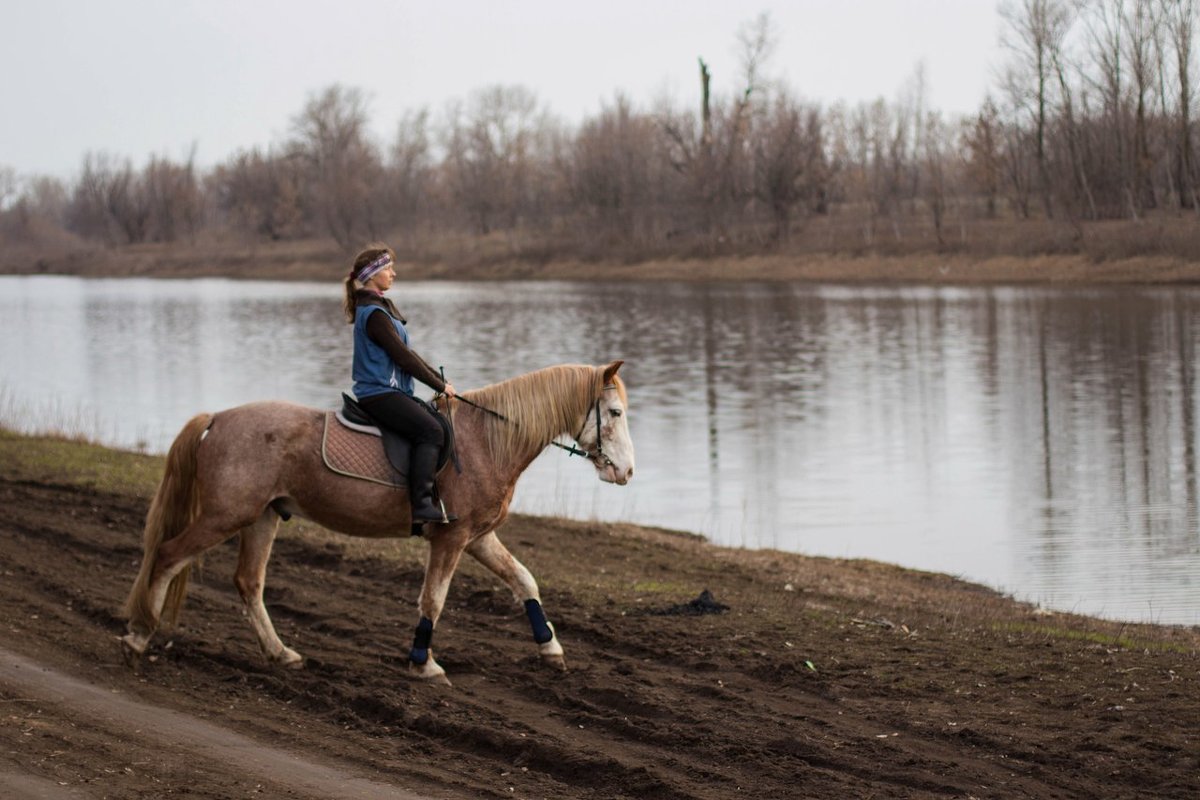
x=289, y=659
x=422, y=672
x=555, y=661
x=129, y=654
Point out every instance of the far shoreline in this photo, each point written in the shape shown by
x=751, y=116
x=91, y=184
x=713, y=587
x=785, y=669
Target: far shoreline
x=317, y=261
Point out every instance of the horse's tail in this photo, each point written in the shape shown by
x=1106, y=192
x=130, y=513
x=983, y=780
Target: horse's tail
x=176, y=504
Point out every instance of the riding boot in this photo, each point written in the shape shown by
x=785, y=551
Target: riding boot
x=422, y=466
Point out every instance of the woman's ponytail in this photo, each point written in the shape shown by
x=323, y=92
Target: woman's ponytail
x=348, y=304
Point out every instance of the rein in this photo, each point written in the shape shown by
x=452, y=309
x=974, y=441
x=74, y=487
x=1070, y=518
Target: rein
x=495, y=414
x=450, y=419
x=473, y=404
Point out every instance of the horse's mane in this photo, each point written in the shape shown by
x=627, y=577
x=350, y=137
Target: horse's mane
x=543, y=404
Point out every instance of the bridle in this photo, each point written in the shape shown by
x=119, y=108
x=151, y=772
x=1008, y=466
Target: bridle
x=599, y=457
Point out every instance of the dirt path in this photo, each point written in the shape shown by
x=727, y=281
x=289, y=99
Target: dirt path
x=827, y=679
x=140, y=726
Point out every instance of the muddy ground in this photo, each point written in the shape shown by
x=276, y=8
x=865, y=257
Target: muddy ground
x=825, y=679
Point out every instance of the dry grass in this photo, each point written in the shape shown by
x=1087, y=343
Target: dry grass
x=846, y=246
x=65, y=460
x=57, y=419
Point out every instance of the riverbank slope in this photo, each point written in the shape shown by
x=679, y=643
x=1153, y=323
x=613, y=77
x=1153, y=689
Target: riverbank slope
x=825, y=678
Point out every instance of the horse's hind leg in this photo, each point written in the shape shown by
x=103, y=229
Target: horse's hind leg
x=250, y=578
x=173, y=557
x=491, y=552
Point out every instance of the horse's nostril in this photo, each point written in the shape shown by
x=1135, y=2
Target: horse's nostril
x=629, y=473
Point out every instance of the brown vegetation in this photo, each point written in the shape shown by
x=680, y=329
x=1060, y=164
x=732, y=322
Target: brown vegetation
x=1111, y=252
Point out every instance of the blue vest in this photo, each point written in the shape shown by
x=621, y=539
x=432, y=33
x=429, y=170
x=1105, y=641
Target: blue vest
x=374, y=372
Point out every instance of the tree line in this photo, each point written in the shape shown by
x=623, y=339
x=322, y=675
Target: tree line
x=1090, y=120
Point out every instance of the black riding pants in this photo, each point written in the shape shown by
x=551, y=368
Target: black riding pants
x=405, y=415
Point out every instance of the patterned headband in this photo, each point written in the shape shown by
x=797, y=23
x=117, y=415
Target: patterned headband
x=367, y=271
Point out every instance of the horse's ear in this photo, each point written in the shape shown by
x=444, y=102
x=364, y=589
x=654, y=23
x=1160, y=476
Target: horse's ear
x=611, y=370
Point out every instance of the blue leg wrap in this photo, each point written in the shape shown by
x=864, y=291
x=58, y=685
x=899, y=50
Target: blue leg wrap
x=537, y=621
x=420, y=649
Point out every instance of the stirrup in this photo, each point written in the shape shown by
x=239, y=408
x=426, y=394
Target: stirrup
x=445, y=518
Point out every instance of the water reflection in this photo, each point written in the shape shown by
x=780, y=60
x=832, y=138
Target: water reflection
x=1042, y=441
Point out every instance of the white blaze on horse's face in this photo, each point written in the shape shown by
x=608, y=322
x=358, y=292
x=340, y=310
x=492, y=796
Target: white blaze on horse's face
x=614, y=458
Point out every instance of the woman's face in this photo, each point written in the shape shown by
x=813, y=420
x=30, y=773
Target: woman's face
x=382, y=281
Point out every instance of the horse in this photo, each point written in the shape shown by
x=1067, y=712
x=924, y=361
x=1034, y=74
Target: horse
x=239, y=471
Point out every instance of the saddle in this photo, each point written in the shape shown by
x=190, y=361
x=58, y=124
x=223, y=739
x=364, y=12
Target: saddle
x=351, y=445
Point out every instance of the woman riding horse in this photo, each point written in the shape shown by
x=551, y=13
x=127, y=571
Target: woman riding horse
x=383, y=369
x=236, y=472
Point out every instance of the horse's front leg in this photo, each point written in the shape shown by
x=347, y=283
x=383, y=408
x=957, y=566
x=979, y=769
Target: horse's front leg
x=445, y=549
x=491, y=552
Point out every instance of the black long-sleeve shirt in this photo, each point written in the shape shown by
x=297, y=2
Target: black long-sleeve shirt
x=382, y=332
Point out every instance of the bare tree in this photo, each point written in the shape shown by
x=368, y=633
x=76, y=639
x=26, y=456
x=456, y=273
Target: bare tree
x=8, y=185
x=410, y=168
x=261, y=193
x=614, y=171
x=982, y=141
x=911, y=126
x=1082, y=189
x=866, y=132
x=935, y=157
x=1180, y=17
x=1105, y=23
x=711, y=156
x=172, y=197
x=107, y=202
x=38, y=212
x=9, y=203
x=789, y=159
x=1035, y=33
x=342, y=164
x=1142, y=23
x=489, y=146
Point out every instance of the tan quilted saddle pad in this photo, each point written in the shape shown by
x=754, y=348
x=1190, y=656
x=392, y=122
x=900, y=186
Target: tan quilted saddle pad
x=356, y=455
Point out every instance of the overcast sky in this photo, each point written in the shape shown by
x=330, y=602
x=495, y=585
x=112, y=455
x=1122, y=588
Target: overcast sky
x=135, y=77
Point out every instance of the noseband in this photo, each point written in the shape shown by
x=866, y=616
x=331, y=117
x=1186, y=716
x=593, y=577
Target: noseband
x=599, y=457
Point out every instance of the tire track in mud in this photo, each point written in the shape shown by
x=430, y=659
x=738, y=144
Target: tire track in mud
x=128, y=719
x=15, y=786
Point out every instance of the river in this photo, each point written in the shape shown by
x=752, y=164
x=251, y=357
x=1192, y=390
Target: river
x=1041, y=441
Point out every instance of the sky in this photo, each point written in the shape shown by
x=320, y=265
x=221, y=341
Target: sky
x=140, y=77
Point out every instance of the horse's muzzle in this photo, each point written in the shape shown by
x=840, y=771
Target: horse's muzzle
x=611, y=473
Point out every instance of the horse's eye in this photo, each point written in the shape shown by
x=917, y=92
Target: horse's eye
x=616, y=412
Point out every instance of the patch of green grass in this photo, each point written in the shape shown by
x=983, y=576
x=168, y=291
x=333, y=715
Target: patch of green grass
x=56, y=459
x=1092, y=637
x=665, y=587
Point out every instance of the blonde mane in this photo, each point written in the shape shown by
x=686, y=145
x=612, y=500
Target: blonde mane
x=542, y=404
